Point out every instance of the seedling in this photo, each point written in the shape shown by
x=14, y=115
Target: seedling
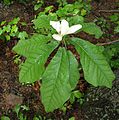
x=61, y=75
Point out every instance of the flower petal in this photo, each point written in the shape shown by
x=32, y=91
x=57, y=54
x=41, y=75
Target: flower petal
x=56, y=25
x=57, y=37
x=74, y=28
x=64, y=27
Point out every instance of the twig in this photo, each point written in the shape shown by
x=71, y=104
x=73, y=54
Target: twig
x=108, y=11
x=29, y=24
x=108, y=43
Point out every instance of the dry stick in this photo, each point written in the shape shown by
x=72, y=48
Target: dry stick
x=108, y=11
x=108, y=43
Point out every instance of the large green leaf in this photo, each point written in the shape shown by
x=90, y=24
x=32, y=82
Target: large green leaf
x=96, y=69
x=55, y=89
x=93, y=29
x=60, y=77
x=73, y=70
x=26, y=47
x=33, y=67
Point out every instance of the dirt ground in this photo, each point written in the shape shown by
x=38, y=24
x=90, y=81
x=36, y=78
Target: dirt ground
x=100, y=103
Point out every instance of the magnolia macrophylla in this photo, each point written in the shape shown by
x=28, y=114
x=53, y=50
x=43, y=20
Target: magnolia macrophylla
x=63, y=29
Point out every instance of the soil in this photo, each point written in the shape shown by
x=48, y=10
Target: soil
x=100, y=103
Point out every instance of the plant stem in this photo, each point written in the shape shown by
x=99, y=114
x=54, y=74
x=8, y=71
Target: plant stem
x=108, y=11
x=108, y=43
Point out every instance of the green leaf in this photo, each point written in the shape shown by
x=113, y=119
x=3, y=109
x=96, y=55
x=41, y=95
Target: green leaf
x=14, y=21
x=33, y=67
x=61, y=12
x=72, y=118
x=25, y=47
x=6, y=28
x=77, y=94
x=7, y=37
x=23, y=35
x=93, y=29
x=36, y=118
x=49, y=8
x=37, y=51
x=37, y=6
x=114, y=17
x=42, y=21
x=116, y=29
x=75, y=20
x=72, y=98
x=95, y=67
x=17, y=109
x=69, y=7
x=55, y=88
x=2, y=23
x=5, y=118
x=83, y=12
x=14, y=29
x=73, y=70
x=7, y=2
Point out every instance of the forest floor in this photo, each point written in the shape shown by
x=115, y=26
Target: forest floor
x=100, y=103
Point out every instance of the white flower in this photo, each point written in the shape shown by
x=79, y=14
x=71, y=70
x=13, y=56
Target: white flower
x=63, y=29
